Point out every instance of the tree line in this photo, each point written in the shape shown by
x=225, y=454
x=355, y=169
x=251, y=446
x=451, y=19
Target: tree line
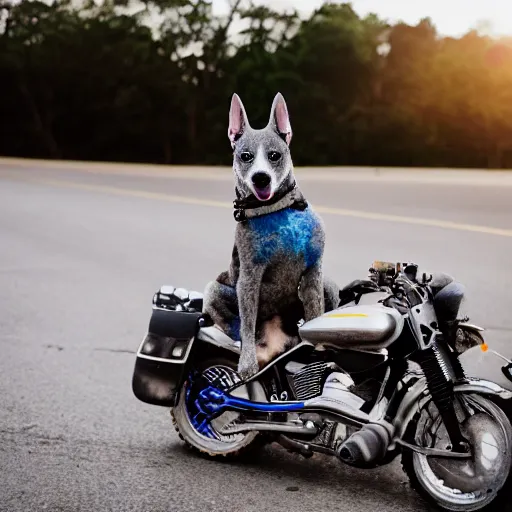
x=151, y=81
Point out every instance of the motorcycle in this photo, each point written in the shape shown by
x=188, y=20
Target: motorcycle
x=382, y=375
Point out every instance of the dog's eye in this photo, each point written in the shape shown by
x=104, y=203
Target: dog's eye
x=274, y=156
x=246, y=156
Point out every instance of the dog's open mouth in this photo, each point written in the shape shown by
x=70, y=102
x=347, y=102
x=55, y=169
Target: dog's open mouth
x=263, y=194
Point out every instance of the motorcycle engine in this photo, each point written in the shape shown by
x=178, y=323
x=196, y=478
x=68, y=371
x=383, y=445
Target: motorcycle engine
x=307, y=380
x=359, y=448
x=323, y=379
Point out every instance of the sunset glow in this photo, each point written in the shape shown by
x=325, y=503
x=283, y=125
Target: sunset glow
x=453, y=17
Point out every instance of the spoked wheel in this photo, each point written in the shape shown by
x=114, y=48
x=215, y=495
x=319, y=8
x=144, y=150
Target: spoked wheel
x=208, y=439
x=462, y=485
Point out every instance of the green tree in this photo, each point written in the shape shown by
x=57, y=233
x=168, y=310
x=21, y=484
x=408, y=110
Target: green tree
x=152, y=80
x=335, y=63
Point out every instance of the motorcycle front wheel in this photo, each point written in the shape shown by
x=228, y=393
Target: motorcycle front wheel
x=211, y=442
x=462, y=485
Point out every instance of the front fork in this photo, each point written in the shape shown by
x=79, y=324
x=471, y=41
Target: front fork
x=443, y=394
x=441, y=369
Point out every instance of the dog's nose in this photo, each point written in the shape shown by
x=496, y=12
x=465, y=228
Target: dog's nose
x=261, y=179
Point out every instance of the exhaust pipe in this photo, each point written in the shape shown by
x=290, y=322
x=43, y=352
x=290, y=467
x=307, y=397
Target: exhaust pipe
x=365, y=446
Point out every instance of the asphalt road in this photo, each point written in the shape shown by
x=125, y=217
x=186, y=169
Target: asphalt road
x=82, y=250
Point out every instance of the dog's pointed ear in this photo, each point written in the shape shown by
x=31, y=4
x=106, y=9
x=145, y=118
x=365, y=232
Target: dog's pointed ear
x=238, y=122
x=279, y=118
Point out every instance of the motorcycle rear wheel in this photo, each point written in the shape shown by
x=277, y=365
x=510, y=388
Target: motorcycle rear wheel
x=226, y=446
x=494, y=453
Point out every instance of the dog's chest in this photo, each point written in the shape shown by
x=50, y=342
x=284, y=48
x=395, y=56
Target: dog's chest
x=286, y=233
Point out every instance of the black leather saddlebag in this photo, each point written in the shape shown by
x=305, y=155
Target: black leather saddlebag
x=163, y=353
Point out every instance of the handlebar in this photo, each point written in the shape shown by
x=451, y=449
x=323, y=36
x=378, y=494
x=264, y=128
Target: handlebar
x=401, y=279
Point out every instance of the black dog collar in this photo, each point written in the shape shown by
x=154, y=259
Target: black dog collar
x=250, y=207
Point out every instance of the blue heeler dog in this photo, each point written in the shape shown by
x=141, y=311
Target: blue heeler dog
x=275, y=276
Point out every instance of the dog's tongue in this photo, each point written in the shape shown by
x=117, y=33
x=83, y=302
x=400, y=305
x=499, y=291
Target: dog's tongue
x=263, y=194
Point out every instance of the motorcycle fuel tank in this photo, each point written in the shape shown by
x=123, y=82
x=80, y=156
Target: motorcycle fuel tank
x=369, y=327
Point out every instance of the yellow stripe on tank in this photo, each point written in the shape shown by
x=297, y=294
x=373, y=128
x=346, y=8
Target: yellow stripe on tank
x=346, y=315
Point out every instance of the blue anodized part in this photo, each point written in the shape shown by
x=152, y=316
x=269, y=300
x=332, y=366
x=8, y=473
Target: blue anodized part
x=212, y=402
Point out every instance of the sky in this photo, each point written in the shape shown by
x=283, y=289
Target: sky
x=451, y=17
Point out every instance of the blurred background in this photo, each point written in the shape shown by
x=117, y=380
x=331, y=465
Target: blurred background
x=151, y=81
x=84, y=246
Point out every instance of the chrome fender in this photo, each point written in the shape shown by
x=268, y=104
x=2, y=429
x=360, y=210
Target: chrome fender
x=483, y=387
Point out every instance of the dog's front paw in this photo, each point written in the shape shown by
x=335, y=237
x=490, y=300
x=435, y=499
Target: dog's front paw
x=247, y=368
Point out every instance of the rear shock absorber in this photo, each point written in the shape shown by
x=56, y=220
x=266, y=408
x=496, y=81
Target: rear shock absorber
x=440, y=386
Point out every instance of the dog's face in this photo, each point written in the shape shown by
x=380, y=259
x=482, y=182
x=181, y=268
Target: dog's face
x=261, y=161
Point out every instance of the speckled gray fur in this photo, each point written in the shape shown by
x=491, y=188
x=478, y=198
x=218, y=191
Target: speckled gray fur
x=269, y=287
